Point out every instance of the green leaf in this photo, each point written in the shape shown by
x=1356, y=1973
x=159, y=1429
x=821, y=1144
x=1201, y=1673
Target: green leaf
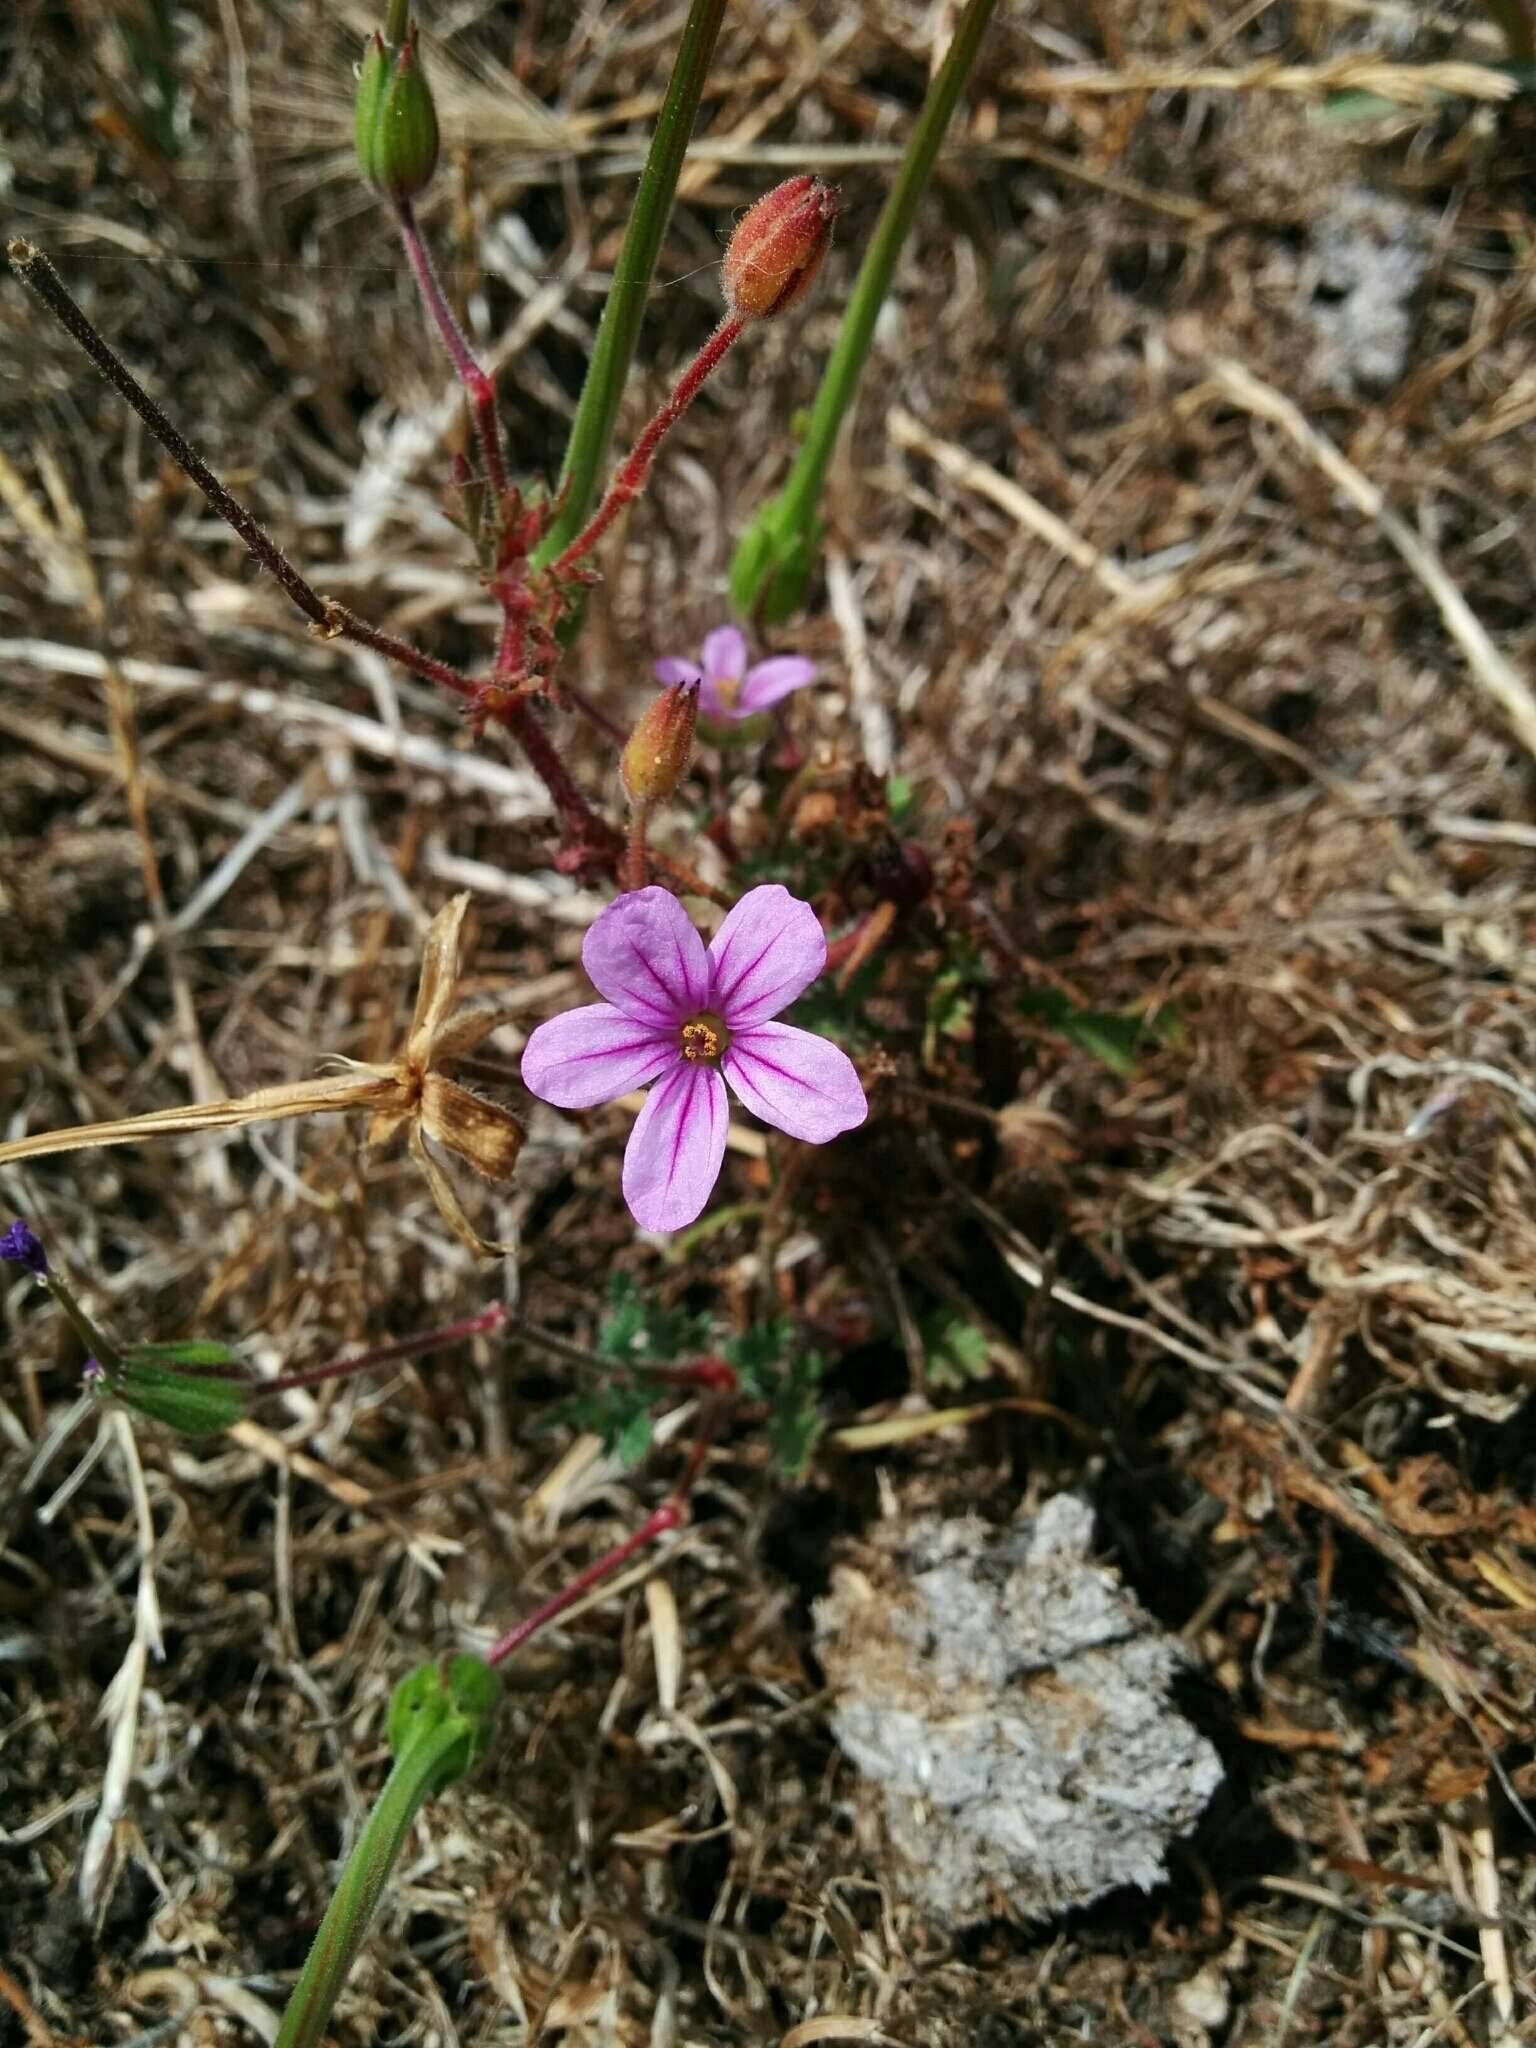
x=640, y=1330
x=794, y=1419
x=757, y=1356
x=1117, y=1037
x=898, y=797
x=618, y=1412
x=634, y=1439
x=839, y=1013
x=954, y=1350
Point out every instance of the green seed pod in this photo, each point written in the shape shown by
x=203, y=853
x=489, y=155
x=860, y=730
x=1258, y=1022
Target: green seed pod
x=395, y=122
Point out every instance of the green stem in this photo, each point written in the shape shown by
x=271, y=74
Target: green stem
x=406, y=1790
x=98, y=1345
x=592, y=429
x=773, y=558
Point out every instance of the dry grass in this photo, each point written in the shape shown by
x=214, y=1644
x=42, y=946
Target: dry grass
x=1222, y=743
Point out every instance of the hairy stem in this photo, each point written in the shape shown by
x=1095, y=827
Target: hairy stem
x=39, y=276
x=668, y=1516
x=635, y=469
x=578, y=820
x=478, y=387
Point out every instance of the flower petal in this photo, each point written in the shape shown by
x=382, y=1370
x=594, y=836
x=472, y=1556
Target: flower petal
x=769, y=950
x=725, y=654
x=795, y=1081
x=593, y=1054
x=771, y=680
x=670, y=669
x=647, y=959
x=672, y=1160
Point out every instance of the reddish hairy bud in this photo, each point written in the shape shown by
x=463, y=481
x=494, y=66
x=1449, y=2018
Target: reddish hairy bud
x=656, y=753
x=778, y=247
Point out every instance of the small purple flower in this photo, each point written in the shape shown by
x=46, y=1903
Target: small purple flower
x=21, y=1244
x=729, y=691
x=691, y=1021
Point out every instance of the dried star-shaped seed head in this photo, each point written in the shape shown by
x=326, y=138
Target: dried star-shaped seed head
x=408, y=1092
x=482, y=1134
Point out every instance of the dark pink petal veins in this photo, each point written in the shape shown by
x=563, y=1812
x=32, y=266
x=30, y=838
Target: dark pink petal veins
x=593, y=1054
x=673, y=1157
x=768, y=951
x=646, y=958
x=799, y=1083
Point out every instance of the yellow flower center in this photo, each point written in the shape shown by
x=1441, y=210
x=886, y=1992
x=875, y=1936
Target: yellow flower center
x=705, y=1037
x=728, y=689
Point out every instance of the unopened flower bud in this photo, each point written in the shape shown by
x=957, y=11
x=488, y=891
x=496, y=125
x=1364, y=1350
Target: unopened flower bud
x=778, y=247
x=656, y=753
x=395, y=123
x=195, y=1389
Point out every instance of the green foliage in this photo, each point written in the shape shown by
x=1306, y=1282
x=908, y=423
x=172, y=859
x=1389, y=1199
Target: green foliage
x=147, y=33
x=787, y=1382
x=954, y=1350
x=619, y=1412
x=638, y=1328
x=952, y=994
x=637, y=1331
x=1116, y=1037
x=898, y=797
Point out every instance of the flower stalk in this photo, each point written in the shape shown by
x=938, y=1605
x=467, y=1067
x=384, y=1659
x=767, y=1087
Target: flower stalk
x=773, y=559
x=479, y=388
x=635, y=470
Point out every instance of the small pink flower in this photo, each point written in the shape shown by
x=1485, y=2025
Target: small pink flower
x=691, y=1021
x=729, y=691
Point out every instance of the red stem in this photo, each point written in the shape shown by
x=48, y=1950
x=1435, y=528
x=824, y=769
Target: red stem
x=345, y=625
x=710, y=1372
x=636, y=466
x=478, y=387
x=668, y=1516
x=577, y=818
x=488, y=1319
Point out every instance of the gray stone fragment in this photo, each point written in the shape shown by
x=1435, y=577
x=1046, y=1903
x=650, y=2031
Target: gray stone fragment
x=1008, y=1697
x=1370, y=253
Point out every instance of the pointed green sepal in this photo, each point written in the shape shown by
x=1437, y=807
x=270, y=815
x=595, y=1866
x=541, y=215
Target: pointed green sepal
x=430, y=1699
x=191, y=1402
x=773, y=562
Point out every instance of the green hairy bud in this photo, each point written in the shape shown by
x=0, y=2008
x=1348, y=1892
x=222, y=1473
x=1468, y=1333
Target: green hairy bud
x=395, y=122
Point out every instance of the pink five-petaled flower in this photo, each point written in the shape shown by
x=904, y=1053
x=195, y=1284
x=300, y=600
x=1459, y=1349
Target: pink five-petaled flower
x=729, y=691
x=690, y=1021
